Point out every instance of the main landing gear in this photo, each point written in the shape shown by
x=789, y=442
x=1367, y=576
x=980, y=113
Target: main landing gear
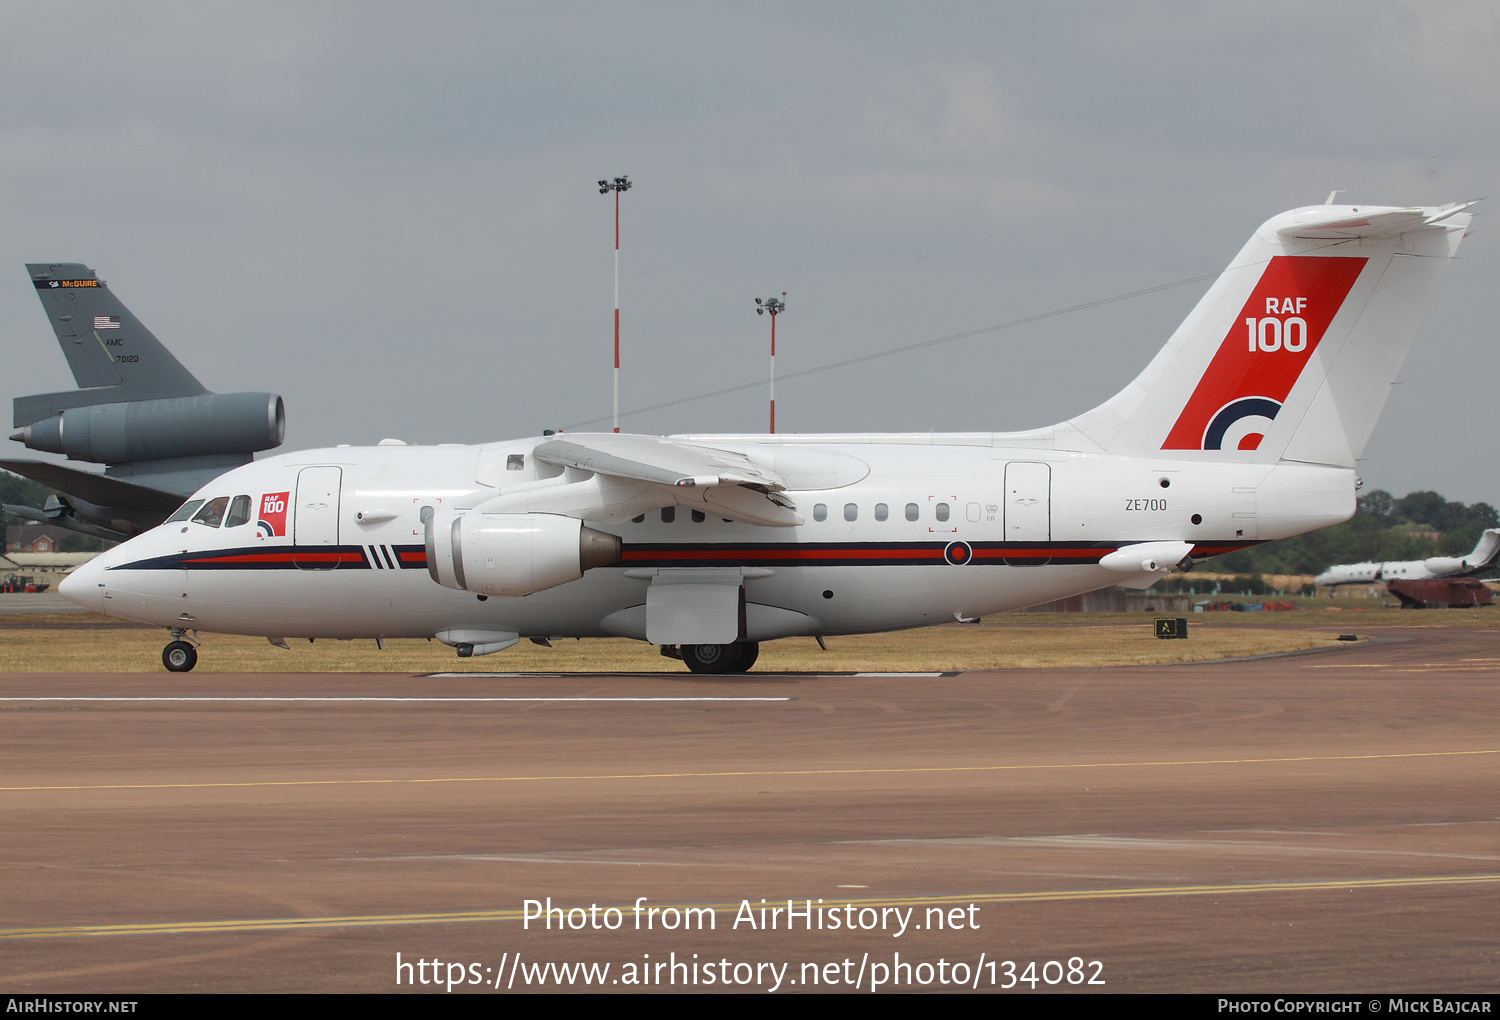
x=179, y=656
x=733, y=658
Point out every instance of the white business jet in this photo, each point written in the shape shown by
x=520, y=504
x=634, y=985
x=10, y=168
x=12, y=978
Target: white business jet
x=1245, y=427
x=1482, y=559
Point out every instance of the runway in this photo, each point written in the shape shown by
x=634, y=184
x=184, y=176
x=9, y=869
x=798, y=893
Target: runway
x=1318, y=822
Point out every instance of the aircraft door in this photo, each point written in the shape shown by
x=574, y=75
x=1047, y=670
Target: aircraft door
x=315, y=528
x=1028, y=513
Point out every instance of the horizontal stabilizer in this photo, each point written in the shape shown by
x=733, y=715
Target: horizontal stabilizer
x=30, y=410
x=100, y=490
x=1347, y=221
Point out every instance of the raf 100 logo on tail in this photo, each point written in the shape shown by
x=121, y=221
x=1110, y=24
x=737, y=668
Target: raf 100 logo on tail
x=1261, y=357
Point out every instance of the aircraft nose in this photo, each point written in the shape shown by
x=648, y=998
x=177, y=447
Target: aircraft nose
x=84, y=585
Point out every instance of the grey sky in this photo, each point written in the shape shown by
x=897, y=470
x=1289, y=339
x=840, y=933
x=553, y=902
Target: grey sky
x=387, y=213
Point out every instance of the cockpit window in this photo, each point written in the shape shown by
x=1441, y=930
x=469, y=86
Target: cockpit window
x=212, y=514
x=185, y=511
x=239, y=512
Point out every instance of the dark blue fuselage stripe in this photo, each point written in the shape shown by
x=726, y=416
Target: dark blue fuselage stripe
x=359, y=557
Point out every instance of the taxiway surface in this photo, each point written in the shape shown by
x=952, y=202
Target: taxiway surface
x=1316, y=822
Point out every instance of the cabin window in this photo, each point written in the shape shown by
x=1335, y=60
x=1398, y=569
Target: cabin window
x=212, y=514
x=851, y=511
x=820, y=511
x=185, y=511
x=942, y=511
x=638, y=520
x=913, y=511
x=668, y=514
x=699, y=516
x=882, y=512
x=972, y=512
x=515, y=462
x=239, y=512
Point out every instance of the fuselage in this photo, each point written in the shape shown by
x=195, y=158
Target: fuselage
x=897, y=532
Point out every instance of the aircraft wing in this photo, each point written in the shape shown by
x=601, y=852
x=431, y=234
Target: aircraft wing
x=718, y=481
x=100, y=490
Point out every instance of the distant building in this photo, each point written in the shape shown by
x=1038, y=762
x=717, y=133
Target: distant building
x=1421, y=531
x=34, y=538
x=1116, y=600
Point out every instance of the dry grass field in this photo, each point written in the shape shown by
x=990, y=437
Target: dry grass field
x=85, y=642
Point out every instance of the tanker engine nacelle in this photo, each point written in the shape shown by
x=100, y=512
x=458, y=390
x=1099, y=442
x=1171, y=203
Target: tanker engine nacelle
x=146, y=430
x=513, y=554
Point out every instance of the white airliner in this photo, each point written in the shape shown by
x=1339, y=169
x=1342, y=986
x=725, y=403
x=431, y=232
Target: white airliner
x=1481, y=559
x=1245, y=427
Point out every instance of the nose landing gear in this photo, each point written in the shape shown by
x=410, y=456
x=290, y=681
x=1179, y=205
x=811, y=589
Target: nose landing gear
x=179, y=656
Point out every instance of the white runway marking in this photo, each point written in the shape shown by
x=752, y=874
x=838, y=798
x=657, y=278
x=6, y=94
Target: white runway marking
x=425, y=701
x=558, y=676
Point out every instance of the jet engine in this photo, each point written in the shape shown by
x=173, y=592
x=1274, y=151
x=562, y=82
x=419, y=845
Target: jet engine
x=513, y=554
x=147, y=430
x=1441, y=566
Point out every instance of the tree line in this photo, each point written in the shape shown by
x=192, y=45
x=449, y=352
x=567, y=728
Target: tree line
x=1384, y=527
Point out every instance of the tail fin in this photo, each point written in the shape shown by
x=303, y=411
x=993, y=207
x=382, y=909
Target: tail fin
x=1292, y=352
x=112, y=356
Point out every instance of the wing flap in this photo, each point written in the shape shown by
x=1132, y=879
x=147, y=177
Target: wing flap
x=721, y=482
x=656, y=460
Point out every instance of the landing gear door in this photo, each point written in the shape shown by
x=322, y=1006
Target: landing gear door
x=1028, y=513
x=696, y=606
x=315, y=527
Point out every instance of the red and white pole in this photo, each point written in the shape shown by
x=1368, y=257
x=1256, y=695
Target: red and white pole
x=617, y=309
x=775, y=306
x=618, y=185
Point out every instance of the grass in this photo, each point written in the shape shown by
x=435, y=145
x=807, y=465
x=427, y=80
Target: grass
x=34, y=646
x=86, y=642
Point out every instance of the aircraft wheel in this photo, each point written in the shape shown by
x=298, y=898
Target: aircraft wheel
x=711, y=658
x=749, y=652
x=179, y=657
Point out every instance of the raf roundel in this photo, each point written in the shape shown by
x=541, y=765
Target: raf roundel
x=958, y=553
x=1240, y=424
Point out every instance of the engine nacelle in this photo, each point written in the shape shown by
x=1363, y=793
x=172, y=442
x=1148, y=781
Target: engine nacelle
x=138, y=430
x=513, y=554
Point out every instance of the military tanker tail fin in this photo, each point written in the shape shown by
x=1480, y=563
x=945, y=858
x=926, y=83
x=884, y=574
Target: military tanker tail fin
x=112, y=356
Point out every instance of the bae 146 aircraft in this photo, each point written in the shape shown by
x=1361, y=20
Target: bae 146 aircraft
x=1480, y=560
x=1245, y=427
